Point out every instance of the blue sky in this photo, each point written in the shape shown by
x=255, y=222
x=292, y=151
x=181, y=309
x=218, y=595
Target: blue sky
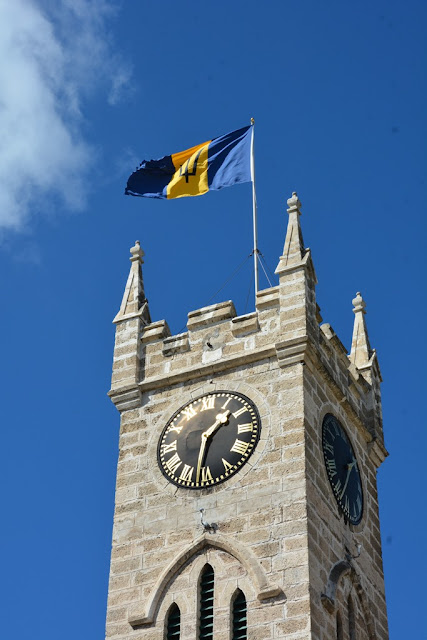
x=87, y=90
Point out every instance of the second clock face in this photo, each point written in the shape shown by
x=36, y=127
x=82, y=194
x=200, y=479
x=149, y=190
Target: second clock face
x=208, y=440
x=342, y=469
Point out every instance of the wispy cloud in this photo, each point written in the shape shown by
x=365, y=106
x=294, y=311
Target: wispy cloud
x=54, y=56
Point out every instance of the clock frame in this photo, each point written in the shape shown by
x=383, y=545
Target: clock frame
x=342, y=469
x=209, y=439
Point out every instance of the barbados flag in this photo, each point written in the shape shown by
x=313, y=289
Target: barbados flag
x=209, y=166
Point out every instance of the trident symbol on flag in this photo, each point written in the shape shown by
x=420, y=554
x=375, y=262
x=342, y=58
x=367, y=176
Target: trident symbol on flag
x=186, y=172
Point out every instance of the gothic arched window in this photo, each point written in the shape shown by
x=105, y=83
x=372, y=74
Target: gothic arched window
x=340, y=634
x=239, y=617
x=173, y=626
x=206, y=603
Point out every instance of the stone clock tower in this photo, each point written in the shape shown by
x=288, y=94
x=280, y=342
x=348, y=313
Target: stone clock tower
x=246, y=499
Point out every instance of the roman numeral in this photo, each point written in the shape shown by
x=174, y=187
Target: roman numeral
x=332, y=467
x=227, y=465
x=329, y=448
x=240, y=447
x=186, y=473
x=178, y=429
x=225, y=403
x=238, y=413
x=173, y=463
x=206, y=474
x=208, y=403
x=337, y=486
x=189, y=412
x=243, y=428
x=167, y=448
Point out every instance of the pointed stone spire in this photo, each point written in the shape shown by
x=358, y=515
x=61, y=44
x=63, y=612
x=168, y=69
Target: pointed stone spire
x=293, y=251
x=361, y=352
x=297, y=295
x=134, y=302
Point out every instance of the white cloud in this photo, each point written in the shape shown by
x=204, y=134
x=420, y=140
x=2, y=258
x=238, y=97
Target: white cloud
x=53, y=57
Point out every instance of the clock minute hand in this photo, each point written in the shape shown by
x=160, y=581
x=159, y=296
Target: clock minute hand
x=222, y=418
x=349, y=468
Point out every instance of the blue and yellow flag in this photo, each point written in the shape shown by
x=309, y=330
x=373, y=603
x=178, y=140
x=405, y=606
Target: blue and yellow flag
x=209, y=166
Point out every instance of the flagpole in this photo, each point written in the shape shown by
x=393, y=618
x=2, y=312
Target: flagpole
x=254, y=209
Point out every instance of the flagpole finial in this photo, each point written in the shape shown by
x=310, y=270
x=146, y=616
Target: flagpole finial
x=252, y=120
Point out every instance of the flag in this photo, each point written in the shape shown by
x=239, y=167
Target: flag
x=209, y=166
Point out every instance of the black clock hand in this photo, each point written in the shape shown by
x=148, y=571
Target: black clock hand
x=222, y=418
x=349, y=468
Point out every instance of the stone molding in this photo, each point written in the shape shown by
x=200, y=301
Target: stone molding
x=377, y=452
x=328, y=598
x=155, y=331
x=264, y=589
x=243, y=325
x=176, y=344
x=267, y=298
x=292, y=351
x=126, y=398
x=200, y=370
x=211, y=315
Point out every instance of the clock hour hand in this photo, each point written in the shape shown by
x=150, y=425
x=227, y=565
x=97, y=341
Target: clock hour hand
x=222, y=418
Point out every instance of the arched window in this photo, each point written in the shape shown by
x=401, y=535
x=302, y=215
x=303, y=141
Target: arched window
x=206, y=603
x=239, y=617
x=340, y=634
x=173, y=627
x=351, y=619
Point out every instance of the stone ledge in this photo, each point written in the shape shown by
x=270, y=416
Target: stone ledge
x=198, y=371
x=292, y=351
x=176, y=344
x=377, y=452
x=155, y=331
x=242, y=325
x=211, y=315
x=267, y=298
x=142, y=314
x=332, y=337
x=126, y=398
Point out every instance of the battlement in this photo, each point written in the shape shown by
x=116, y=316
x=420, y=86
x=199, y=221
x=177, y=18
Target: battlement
x=284, y=330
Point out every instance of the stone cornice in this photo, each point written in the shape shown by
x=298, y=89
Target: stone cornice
x=126, y=398
x=199, y=371
x=377, y=452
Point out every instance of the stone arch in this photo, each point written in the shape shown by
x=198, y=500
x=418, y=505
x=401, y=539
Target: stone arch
x=337, y=572
x=248, y=560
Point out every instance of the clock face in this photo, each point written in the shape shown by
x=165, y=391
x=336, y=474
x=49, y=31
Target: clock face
x=342, y=469
x=208, y=440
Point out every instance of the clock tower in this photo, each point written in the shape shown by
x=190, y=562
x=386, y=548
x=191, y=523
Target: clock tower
x=246, y=497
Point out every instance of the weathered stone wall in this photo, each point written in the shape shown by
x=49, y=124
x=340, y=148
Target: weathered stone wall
x=331, y=540
x=279, y=535
x=260, y=512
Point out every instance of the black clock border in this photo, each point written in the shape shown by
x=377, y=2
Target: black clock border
x=179, y=410
x=348, y=520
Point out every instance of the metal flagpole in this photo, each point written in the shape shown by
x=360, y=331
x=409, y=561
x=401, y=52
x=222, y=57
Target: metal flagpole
x=254, y=206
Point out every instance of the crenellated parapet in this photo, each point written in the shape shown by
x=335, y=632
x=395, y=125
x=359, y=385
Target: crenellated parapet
x=284, y=330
